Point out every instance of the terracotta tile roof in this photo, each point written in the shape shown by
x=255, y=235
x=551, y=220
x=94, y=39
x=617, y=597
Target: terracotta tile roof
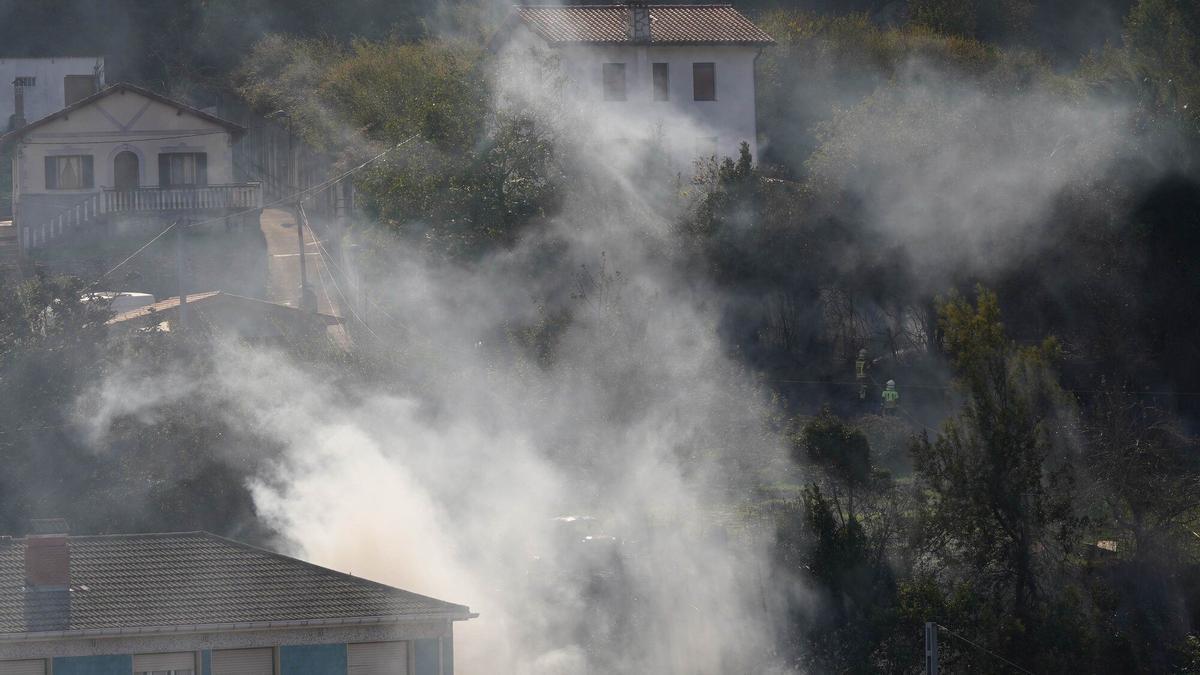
x=123, y=582
x=669, y=24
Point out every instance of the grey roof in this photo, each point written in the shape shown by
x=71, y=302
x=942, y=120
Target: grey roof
x=122, y=582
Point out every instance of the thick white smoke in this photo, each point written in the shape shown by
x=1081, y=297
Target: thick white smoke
x=448, y=482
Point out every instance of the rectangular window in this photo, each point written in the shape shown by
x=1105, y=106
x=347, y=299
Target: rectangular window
x=259, y=661
x=614, y=82
x=377, y=658
x=29, y=667
x=662, y=81
x=69, y=172
x=78, y=87
x=177, y=663
x=704, y=81
x=178, y=169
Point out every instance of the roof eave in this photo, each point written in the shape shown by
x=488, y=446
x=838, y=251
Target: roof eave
x=235, y=130
x=96, y=633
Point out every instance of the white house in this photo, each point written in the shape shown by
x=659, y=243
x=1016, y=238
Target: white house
x=680, y=73
x=123, y=151
x=31, y=89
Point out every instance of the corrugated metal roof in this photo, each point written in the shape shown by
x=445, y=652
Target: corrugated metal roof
x=669, y=24
x=184, y=579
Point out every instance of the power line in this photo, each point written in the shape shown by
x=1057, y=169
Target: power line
x=125, y=140
x=133, y=255
x=296, y=197
x=325, y=268
x=985, y=650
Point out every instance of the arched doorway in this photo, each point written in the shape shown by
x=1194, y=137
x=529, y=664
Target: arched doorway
x=125, y=170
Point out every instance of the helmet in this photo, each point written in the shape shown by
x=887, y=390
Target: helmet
x=862, y=353
x=891, y=384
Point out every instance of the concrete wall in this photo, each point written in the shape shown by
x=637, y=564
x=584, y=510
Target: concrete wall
x=686, y=125
x=182, y=642
x=48, y=95
x=429, y=657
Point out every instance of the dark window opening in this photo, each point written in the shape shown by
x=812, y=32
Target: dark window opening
x=614, y=82
x=78, y=87
x=177, y=169
x=704, y=81
x=662, y=81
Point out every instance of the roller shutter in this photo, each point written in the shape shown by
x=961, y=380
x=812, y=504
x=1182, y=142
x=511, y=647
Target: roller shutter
x=28, y=667
x=176, y=661
x=243, y=662
x=377, y=658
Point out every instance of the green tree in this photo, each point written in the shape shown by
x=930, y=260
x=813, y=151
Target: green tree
x=468, y=178
x=1000, y=482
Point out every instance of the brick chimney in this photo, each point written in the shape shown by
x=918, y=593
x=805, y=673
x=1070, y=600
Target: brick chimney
x=18, y=117
x=48, y=555
x=639, y=21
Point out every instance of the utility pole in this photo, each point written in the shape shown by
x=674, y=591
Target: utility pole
x=931, y=648
x=293, y=180
x=179, y=271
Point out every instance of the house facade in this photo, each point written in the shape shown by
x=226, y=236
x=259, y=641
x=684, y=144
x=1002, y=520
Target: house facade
x=31, y=89
x=679, y=75
x=123, y=152
x=198, y=604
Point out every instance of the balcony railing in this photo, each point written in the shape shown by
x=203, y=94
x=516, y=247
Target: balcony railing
x=230, y=197
x=192, y=198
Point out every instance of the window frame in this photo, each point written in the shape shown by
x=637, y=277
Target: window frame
x=698, y=68
x=609, y=72
x=87, y=174
x=660, y=81
x=166, y=169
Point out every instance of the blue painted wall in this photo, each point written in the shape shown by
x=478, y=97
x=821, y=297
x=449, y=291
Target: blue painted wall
x=310, y=660
x=93, y=665
x=425, y=657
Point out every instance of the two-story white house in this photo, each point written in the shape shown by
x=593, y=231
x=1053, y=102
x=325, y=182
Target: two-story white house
x=123, y=151
x=683, y=74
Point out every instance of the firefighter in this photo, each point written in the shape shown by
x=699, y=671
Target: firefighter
x=891, y=398
x=860, y=374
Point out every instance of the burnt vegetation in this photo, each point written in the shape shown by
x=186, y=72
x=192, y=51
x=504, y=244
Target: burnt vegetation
x=1038, y=489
